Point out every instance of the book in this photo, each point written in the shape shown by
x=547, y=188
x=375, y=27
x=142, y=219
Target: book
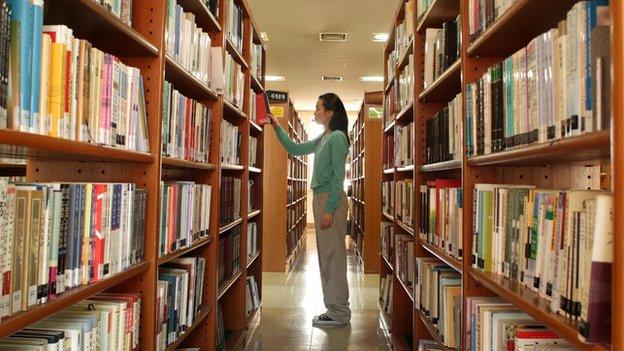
x=404, y=148
x=234, y=28
x=387, y=240
x=443, y=133
x=234, y=83
x=252, y=240
x=262, y=109
x=440, y=50
x=403, y=262
x=252, y=295
x=229, y=255
x=231, y=139
x=230, y=200
x=441, y=204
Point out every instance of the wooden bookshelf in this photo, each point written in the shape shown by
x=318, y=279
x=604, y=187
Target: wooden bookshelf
x=365, y=176
x=590, y=161
x=284, y=217
x=52, y=160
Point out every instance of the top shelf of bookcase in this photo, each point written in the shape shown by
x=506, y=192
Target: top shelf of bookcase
x=91, y=21
x=203, y=17
x=510, y=32
x=438, y=12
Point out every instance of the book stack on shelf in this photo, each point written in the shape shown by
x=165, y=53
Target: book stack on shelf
x=252, y=296
x=364, y=160
x=519, y=151
x=287, y=213
x=111, y=203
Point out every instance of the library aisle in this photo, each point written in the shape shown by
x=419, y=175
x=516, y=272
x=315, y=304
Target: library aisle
x=290, y=303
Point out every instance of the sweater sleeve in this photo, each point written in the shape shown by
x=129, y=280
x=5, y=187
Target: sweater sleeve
x=293, y=148
x=339, y=150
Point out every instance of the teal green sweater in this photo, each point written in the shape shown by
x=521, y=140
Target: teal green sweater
x=330, y=154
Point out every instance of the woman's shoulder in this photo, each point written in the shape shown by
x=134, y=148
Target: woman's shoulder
x=338, y=135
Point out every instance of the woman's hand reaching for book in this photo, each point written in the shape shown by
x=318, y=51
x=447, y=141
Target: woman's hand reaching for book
x=326, y=221
x=273, y=121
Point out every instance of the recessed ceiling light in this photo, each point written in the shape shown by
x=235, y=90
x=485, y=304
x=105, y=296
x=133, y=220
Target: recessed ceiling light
x=264, y=36
x=380, y=37
x=372, y=79
x=274, y=78
x=333, y=36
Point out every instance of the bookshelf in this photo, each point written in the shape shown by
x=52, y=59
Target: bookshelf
x=365, y=176
x=587, y=161
x=51, y=159
x=285, y=239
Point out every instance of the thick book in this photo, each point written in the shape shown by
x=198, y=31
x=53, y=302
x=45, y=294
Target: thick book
x=262, y=109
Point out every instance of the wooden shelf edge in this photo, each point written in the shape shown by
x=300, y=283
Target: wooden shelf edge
x=254, y=169
x=23, y=144
x=403, y=61
x=180, y=163
x=255, y=84
x=227, y=227
x=390, y=82
x=452, y=262
x=404, y=112
x=255, y=127
x=433, y=331
x=388, y=216
x=407, y=228
x=25, y=318
x=407, y=290
x=441, y=166
x=253, y=214
x=225, y=287
x=253, y=259
x=184, y=81
x=388, y=171
x=442, y=83
x=235, y=53
x=390, y=126
x=234, y=109
x=202, y=13
x=204, y=312
x=173, y=255
x=589, y=146
x=231, y=167
x=255, y=314
x=385, y=260
x=409, y=168
x=426, y=20
x=234, y=340
x=535, y=306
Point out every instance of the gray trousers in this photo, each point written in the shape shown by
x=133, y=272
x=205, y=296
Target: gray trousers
x=332, y=258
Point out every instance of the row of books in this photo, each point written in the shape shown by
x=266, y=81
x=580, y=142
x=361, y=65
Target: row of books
x=295, y=191
x=294, y=214
x=554, y=242
x=234, y=88
x=442, y=47
x=252, y=240
x=437, y=294
x=188, y=44
x=63, y=87
x=231, y=141
x=495, y=324
x=483, y=13
x=121, y=9
x=443, y=133
x=357, y=167
x=293, y=237
x=405, y=201
x=230, y=200
x=185, y=215
x=253, y=151
x=186, y=126
x=387, y=197
x=441, y=212
x=106, y=321
x=234, y=24
x=388, y=156
x=555, y=87
x=252, y=301
x=179, y=297
x=213, y=7
x=403, y=36
x=405, y=85
x=257, y=61
x=229, y=254
x=387, y=240
x=253, y=201
x=386, y=294
x=404, y=259
x=404, y=139
x=57, y=236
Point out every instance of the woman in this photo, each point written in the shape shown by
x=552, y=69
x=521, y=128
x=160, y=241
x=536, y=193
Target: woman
x=329, y=203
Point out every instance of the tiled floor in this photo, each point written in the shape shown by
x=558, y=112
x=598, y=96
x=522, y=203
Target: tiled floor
x=290, y=304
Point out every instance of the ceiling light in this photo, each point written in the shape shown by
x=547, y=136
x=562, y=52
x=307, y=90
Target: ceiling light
x=264, y=36
x=380, y=37
x=274, y=78
x=372, y=79
x=334, y=36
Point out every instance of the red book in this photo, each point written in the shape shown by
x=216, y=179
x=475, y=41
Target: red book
x=263, y=109
x=98, y=240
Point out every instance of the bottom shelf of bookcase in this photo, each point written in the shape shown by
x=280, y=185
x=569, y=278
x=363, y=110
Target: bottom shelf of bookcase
x=23, y=319
x=532, y=304
x=204, y=312
x=433, y=331
x=235, y=340
x=251, y=319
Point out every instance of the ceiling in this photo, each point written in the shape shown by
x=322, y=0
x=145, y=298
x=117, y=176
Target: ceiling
x=294, y=49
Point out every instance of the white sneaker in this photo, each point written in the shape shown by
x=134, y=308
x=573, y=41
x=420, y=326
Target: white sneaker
x=322, y=319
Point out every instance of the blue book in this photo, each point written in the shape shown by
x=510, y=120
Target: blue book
x=21, y=58
x=591, y=20
x=37, y=32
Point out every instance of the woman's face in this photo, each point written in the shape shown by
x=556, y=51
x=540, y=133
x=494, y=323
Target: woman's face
x=321, y=115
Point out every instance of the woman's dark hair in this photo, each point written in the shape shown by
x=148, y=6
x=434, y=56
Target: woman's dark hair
x=339, y=121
